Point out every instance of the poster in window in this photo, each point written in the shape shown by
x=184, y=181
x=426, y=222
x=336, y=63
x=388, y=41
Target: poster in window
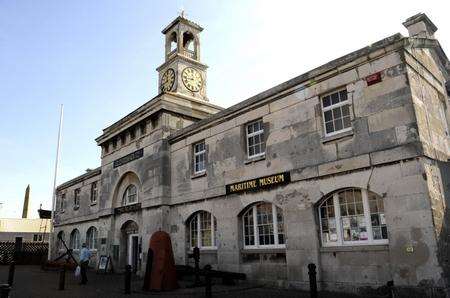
x=103, y=263
x=361, y=221
x=363, y=235
x=346, y=222
x=355, y=235
x=376, y=233
x=382, y=219
x=347, y=235
x=333, y=237
x=332, y=223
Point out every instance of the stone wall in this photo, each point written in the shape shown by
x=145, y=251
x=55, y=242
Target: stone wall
x=408, y=215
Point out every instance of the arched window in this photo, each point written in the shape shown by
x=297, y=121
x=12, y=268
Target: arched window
x=130, y=195
x=263, y=226
x=188, y=41
x=202, y=230
x=75, y=239
x=59, y=240
x=352, y=216
x=173, y=41
x=92, y=238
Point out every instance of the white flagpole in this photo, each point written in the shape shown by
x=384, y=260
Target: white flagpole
x=50, y=238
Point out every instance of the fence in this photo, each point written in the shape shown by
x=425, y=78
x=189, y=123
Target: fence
x=30, y=253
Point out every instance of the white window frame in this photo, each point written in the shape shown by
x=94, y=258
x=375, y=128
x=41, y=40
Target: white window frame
x=77, y=238
x=333, y=106
x=126, y=196
x=338, y=219
x=76, y=198
x=253, y=134
x=94, y=192
x=92, y=238
x=255, y=228
x=198, y=153
x=199, y=233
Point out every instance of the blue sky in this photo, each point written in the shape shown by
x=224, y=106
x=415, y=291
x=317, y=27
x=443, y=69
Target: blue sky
x=98, y=58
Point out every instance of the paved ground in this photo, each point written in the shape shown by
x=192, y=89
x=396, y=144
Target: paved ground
x=31, y=281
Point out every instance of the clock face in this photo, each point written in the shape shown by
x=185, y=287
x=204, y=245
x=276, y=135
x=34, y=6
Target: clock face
x=192, y=79
x=167, y=80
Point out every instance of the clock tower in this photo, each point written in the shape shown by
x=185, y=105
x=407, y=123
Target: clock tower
x=182, y=73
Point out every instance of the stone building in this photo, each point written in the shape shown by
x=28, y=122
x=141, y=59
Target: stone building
x=345, y=166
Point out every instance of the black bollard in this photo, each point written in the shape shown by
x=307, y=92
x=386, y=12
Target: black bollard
x=4, y=290
x=196, y=256
x=128, y=279
x=208, y=292
x=62, y=278
x=390, y=286
x=12, y=269
x=312, y=280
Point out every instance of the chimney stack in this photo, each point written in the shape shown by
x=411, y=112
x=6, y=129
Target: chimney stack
x=26, y=201
x=421, y=26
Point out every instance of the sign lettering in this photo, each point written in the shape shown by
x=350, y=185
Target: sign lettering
x=129, y=157
x=127, y=208
x=259, y=183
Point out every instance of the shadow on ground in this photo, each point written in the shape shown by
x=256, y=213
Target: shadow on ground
x=31, y=281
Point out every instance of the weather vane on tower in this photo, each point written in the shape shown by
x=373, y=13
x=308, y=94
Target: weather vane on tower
x=181, y=12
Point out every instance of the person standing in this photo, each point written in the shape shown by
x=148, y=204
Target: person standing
x=85, y=255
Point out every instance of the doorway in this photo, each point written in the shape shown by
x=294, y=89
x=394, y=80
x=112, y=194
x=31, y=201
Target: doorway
x=133, y=251
x=130, y=246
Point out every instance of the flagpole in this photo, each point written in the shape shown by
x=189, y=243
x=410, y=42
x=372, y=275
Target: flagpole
x=50, y=238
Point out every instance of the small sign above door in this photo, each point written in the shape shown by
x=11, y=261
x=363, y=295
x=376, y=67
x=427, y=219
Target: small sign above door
x=129, y=157
x=127, y=208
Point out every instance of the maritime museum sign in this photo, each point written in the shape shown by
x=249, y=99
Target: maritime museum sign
x=259, y=183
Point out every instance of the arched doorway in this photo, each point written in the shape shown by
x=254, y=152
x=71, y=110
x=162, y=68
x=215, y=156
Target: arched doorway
x=130, y=244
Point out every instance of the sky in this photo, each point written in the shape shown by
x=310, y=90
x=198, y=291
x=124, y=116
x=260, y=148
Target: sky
x=98, y=59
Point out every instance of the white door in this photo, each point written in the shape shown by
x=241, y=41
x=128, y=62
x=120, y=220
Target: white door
x=133, y=241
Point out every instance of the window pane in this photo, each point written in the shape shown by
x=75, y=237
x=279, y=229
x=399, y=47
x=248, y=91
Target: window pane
x=378, y=221
x=328, y=116
x=338, y=125
x=251, y=141
x=354, y=224
x=334, y=98
x=326, y=101
x=249, y=237
x=347, y=122
x=205, y=228
x=329, y=127
x=280, y=225
x=339, y=116
x=328, y=222
x=193, y=231
x=337, y=113
x=345, y=110
x=251, y=151
x=343, y=95
x=265, y=224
